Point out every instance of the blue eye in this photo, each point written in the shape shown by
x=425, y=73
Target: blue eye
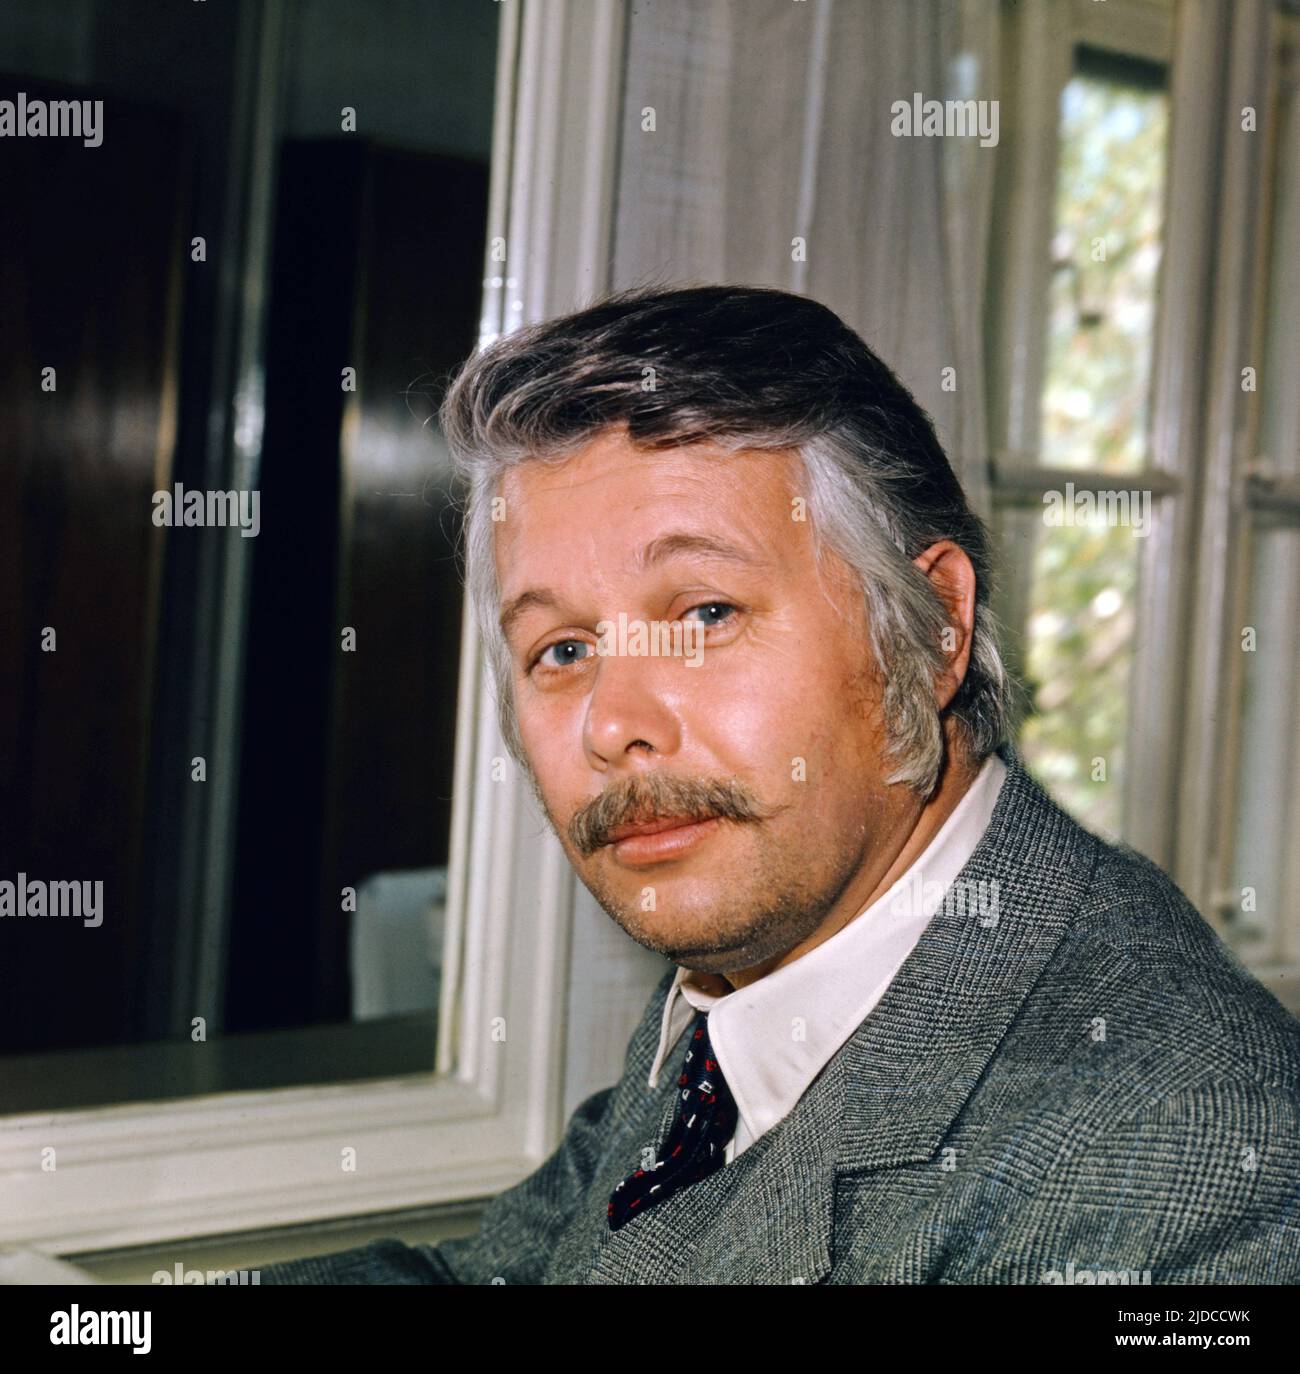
x=712, y=606
x=565, y=660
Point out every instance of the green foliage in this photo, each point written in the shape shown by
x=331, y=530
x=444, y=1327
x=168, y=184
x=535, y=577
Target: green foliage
x=1110, y=189
x=1079, y=636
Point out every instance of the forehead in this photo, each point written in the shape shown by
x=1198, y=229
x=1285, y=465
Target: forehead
x=607, y=502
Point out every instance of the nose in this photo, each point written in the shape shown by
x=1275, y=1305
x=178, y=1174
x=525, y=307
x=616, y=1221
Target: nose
x=632, y=713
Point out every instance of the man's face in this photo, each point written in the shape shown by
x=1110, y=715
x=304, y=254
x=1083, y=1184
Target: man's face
x=774, y=737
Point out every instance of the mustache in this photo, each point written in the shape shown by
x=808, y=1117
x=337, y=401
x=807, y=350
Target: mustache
x=660, y=796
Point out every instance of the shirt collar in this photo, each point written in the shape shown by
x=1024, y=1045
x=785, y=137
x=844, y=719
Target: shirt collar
x=773, y=1037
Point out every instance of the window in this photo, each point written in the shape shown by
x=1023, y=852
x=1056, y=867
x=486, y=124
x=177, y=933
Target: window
x=203, y=741
x=1106, y=243
x=1078, y=556
x=1142, y=346
x=1101, y=316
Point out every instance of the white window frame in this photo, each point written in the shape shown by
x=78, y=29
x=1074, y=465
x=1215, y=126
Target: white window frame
x=144, y=1173
x=1264, y=485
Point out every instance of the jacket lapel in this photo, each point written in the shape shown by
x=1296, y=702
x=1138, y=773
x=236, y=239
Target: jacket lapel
x=915, y=1060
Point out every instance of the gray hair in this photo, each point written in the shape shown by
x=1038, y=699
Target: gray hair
x=747, y=368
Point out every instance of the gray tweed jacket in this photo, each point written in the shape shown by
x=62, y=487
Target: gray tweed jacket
x=1089, y=1088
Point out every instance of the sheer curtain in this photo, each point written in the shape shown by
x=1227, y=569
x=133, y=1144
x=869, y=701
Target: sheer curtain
x=750, y=124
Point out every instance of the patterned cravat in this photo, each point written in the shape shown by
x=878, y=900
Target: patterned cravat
x=696, y=1142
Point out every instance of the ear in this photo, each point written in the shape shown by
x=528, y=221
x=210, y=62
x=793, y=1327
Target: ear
x=952, y=575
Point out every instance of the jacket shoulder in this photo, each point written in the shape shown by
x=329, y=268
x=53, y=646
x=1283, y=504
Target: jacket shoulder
x=1142, y=1113
x=1164, y=969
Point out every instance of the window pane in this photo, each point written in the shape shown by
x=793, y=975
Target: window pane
x=1076, y=658
x=242, y=751
x=1279, y=397
x=1105, y=259
x=1265, y=877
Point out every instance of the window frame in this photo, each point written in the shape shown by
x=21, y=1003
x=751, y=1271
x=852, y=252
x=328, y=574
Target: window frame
x=1267, y=492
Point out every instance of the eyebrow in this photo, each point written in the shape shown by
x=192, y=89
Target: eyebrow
x=676, y=545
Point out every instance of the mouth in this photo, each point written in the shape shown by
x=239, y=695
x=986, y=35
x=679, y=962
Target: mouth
x=658, y=840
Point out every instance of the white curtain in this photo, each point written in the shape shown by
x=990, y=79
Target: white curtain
x=771, y=121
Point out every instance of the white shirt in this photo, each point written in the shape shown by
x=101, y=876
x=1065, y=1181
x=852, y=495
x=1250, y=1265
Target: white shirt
x=827, y=993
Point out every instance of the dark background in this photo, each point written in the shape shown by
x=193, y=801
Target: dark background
x=341, y=763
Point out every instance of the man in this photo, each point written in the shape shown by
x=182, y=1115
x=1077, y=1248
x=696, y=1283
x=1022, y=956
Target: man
x=923, y=1026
